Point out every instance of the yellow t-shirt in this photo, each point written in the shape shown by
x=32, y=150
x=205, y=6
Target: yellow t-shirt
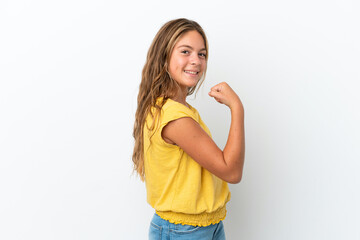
x=178, y=188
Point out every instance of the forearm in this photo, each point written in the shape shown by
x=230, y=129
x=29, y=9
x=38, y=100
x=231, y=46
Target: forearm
x=234, y=151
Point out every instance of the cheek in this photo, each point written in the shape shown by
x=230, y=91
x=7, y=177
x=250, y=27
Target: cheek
x=172, y=69
x=203, y=66
x=176, y=65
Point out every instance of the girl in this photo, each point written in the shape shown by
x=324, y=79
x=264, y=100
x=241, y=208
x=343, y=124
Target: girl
x=186, y=174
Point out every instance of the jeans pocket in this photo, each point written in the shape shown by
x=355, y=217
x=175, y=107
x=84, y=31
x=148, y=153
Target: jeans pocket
x=154, y=232
x=185, y=229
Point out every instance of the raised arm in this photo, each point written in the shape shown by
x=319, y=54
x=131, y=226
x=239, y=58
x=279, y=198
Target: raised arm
x=188, y=134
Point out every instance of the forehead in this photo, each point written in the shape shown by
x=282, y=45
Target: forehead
x=191, y=38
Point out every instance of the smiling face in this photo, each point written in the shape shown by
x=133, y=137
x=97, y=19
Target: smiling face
x=188, y=60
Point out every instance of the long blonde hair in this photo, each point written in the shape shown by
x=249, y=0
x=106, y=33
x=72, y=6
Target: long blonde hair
x=156, y=82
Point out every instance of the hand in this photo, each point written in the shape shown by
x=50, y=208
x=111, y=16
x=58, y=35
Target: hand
x=224, y=94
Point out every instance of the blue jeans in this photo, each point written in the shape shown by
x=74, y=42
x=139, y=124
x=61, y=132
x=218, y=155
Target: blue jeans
x=161, y=229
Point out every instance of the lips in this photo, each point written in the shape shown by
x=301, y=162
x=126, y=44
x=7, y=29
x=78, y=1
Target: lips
x=191, y=72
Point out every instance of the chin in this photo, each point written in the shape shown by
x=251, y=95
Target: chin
x=192, y=85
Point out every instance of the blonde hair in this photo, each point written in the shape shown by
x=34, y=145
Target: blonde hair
x=156, y=82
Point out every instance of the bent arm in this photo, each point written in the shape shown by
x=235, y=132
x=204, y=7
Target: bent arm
x=227, y=164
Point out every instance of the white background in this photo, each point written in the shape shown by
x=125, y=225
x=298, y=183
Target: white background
x=70, y=72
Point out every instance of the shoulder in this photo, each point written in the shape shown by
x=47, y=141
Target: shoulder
x=175, y=109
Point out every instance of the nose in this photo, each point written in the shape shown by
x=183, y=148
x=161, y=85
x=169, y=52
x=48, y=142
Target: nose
x=195, y=60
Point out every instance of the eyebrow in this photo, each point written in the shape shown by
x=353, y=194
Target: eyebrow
x=203, y=49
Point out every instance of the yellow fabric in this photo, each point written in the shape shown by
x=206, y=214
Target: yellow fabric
x=178, y=188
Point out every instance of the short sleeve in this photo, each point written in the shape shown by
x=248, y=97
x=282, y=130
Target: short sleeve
x=171, y=111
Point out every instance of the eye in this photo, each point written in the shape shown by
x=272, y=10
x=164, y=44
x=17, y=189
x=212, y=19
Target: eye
x=202, y=55
x=185, y=51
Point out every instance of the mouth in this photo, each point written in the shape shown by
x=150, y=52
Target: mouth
x=191, y=72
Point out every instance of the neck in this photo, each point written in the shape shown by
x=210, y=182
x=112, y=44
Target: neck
x=181, y=97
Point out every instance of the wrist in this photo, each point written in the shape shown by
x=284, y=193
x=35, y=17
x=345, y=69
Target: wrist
x=237, y=106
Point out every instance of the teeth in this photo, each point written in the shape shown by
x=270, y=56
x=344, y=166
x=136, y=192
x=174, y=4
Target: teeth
x=191, y=72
